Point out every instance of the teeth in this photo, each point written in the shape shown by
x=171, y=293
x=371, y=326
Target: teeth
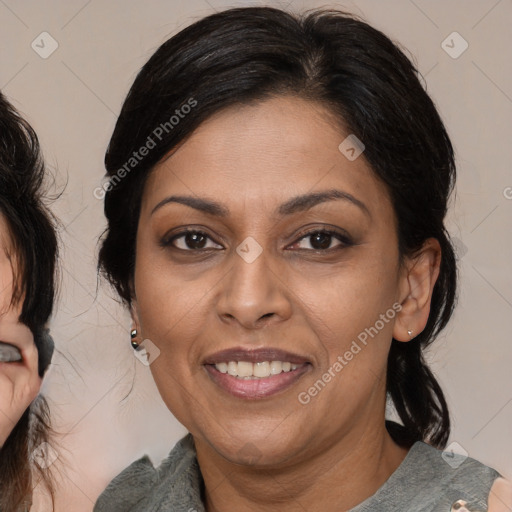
x=245, y=369
x=276, y=367
x=233, y=368
x=262, y=369
x=222, y=367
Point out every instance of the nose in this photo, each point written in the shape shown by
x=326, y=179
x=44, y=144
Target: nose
x=254, y=293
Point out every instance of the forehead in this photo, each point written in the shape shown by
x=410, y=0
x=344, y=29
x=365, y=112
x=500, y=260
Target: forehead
x=263, y=153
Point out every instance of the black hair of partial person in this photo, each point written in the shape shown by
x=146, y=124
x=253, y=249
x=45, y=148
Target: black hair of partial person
x=245, y=55
x=34, y=254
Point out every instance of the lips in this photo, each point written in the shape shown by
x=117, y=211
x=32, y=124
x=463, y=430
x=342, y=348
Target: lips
x=255, y=356
x=228, y=370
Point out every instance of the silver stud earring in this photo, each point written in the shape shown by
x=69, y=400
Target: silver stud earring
x=133, y=335
x=409, y=333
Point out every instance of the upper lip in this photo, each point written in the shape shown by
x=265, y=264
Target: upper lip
x=255, y=355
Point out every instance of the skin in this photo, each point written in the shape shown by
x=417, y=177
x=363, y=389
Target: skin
x=19, y=381
x=500, y=497
x=194, y=300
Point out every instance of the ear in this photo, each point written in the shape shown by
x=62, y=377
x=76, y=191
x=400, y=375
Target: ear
x=418, y=277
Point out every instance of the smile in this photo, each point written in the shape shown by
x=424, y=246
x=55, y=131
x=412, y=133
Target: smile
x=258, y=380
x=258, y=370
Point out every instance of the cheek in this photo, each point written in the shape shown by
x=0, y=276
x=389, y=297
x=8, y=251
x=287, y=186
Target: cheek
x=351, y=314
x=171, y=311
x=6, y=291
x=5, y=282
x=11, y=330
x=343, y=302
x=354, y=343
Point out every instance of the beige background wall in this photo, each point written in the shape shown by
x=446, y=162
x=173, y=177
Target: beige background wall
x=72, y=98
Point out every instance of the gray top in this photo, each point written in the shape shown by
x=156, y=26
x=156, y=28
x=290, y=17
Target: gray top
x=424, y=482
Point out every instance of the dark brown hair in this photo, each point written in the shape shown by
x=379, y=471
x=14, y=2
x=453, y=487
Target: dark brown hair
x=249, y=54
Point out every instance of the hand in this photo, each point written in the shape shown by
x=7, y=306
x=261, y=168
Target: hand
x=500, y=497
x=19, y=381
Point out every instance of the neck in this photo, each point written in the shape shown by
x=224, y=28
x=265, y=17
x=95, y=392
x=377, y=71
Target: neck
x=346, y=473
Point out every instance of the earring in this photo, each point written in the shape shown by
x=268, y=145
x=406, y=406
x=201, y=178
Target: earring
x=409, y=333
x=133, y=335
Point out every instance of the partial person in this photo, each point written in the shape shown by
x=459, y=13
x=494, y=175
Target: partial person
x=28, y=255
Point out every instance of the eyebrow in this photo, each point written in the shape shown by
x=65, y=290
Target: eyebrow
x=295, y=204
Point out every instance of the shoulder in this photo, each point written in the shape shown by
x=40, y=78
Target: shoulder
x=432, y=480
x=455, y=469
x=141, y=486
x=458, y=477
x=127, y=488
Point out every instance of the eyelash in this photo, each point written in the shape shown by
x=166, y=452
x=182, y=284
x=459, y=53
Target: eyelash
x=341, y=237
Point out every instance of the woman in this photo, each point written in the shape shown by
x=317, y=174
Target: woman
x=28, y=250
x=278, y=187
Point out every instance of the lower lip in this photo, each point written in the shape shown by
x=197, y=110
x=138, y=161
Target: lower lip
x=256, y=388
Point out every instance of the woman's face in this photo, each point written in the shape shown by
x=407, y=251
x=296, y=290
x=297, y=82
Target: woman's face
x=260, y=283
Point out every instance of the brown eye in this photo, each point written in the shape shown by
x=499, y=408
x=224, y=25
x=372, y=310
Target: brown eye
x=321, y=240
x=195, y=240
x=190, y=241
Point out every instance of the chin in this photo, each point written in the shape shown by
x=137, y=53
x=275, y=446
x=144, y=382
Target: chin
x=256, y=450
